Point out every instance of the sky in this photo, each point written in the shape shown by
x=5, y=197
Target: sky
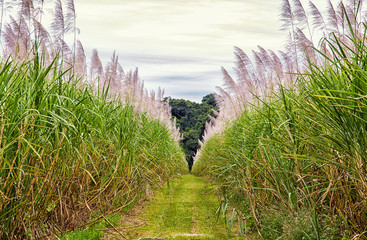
x=179, y=45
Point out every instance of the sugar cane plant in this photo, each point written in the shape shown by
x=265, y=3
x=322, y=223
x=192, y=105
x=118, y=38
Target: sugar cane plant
x=292, y=159
x=75, y=143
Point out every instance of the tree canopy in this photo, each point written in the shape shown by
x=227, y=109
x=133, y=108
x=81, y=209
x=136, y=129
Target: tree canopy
x=191, y=118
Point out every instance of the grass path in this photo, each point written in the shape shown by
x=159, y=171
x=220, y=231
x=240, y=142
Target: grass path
x=184, y=210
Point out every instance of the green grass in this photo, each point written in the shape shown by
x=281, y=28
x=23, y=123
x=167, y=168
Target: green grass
x=184, y=210
x=94, y=231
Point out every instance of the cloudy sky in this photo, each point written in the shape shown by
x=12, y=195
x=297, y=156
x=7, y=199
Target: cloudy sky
x=179, y=45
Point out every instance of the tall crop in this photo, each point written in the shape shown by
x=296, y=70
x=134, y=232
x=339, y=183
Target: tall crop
x=75, y=142
x=67, y=153
x=298, y=148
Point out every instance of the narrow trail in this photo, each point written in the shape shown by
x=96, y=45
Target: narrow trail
x=184, y=210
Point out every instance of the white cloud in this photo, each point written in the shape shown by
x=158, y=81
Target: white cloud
x=182, y=38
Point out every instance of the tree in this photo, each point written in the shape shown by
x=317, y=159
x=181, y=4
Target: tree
x=191, y=118
x=210, y=100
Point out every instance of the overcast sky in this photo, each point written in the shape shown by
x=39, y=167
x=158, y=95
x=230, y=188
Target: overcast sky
x=179, y=45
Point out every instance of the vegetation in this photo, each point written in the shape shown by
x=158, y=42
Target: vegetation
x=75, y=145
x=292, y=162
x=191, y=118
x=96, y=230
x=183, y=210
x=67, y=153
x=287, y=150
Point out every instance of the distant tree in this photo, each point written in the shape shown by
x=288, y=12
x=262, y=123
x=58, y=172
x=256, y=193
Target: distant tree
x=210, y=100
x=191, y=118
